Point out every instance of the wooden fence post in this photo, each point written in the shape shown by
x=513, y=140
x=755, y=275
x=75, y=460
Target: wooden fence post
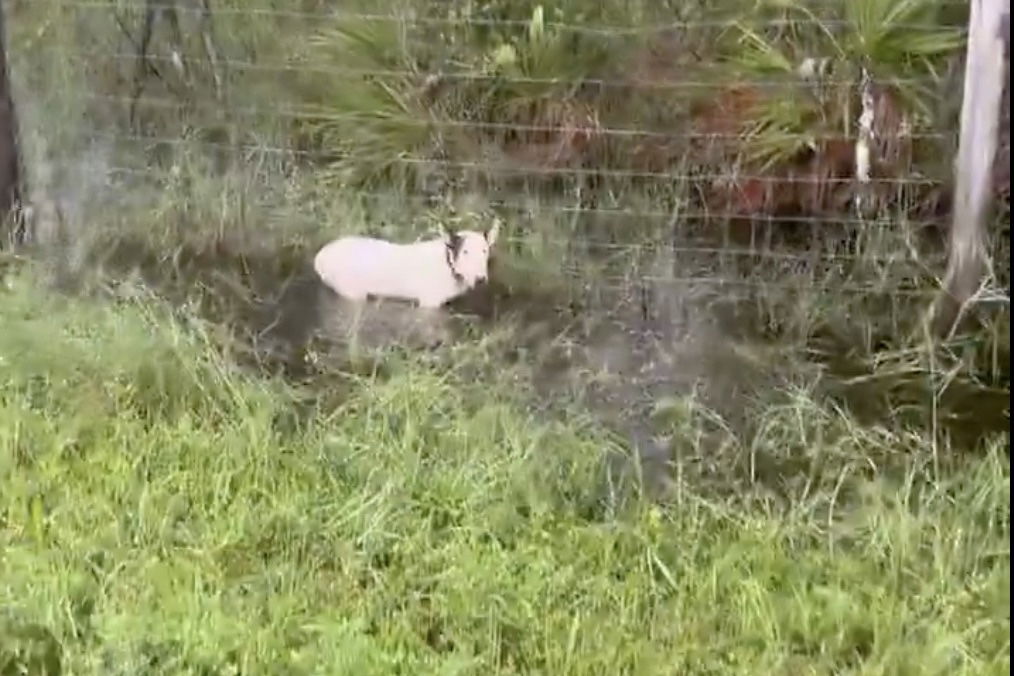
x=980, y=122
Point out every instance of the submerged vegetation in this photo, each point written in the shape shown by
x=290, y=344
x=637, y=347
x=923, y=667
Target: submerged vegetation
x=694, y=427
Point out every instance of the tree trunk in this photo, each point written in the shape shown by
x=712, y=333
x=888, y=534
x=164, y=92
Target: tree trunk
x=10, y=196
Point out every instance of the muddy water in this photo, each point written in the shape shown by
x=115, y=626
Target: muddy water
x=615, y=351
x=610, y=351
x=612, y=365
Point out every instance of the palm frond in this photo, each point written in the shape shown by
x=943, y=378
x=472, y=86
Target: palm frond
x=901, y=42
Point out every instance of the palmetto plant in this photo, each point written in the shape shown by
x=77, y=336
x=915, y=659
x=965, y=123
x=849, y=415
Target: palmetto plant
x=371, y=114
x=902, y=45
x=482, y=84
x=539, y=72
x=503, y=69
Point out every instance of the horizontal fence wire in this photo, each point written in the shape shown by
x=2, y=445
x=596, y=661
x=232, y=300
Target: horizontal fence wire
x=701, y=247
x=321, y=114
x=494, y=168
x=611, y=212
x=131, y=145
x=464, y=20
x=399, y=73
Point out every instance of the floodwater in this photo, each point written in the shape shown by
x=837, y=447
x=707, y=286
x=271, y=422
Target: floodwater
x=613, y=352
x=669, y=323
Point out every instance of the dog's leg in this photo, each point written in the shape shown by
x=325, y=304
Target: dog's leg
x=432, y=323
x=356, y=310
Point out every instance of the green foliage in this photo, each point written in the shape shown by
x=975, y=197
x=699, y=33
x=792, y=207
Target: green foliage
x=372, y=116
x=423, y=99
x=902, y=37
x=456, y=88
x=522, y=69
x=903, y=45
x=164, y=512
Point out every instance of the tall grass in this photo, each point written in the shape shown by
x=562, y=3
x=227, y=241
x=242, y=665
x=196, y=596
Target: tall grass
x=166, y=508
x=163, y=512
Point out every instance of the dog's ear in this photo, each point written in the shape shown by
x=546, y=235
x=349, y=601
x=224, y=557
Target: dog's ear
x=447, y=235
x=493, y=232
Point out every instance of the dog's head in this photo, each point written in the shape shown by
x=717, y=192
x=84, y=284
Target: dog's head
x=468, y=253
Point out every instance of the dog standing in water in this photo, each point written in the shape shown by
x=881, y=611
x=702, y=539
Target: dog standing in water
x=431, y=272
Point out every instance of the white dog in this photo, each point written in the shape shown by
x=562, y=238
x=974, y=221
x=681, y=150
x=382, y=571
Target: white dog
x=430, y=272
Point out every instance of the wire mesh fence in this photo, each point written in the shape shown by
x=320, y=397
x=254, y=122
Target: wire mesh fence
x=637, y=143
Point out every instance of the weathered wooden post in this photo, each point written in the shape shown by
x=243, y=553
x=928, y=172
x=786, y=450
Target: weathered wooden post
x=980, y=121
x=10, y=213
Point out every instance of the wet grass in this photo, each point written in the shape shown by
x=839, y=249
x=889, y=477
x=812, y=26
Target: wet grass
x=192, y=482
x=571, y=291
x=163, y=510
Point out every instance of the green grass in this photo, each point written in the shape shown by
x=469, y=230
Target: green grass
x=162, y=511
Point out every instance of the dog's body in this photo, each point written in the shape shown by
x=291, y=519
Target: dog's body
x=430, y=272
